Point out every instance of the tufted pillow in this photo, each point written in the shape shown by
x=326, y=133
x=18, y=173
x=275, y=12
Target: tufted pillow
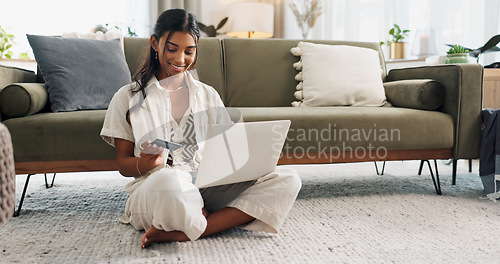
x=80, y=74
x=338, y=75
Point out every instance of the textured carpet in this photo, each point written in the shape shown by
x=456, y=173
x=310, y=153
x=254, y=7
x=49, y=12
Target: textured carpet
x=345, y=213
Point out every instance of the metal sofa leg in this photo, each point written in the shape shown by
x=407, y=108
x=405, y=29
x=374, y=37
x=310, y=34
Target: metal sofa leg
x=420, y=167
x=454, y=173
x=16, y=213
x=383, y=168
x=435, y=180
x=47, y=185
x=470, y=165
x=52, y=183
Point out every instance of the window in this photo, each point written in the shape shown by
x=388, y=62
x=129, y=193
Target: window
x=54, y=17
x=469, y=23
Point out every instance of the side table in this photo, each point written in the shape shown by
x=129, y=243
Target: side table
x=491, y=89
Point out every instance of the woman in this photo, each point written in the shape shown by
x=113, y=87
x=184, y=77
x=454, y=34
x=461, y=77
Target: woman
x=166, y=102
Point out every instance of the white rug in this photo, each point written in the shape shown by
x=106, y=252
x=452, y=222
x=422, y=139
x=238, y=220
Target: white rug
x=345, y=213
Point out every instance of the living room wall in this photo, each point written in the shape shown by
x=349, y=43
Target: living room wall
x=466, y=22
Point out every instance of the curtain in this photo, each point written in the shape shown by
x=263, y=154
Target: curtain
x=158, y=6
x=279, y=17
x=469, y=23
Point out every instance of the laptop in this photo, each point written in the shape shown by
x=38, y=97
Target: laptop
x=241, y=152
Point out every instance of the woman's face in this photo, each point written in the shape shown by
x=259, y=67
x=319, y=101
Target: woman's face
x=175, y=55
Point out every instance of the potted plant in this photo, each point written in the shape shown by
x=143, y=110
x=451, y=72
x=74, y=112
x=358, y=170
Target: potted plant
x=311, y=10
x=6, y=55
x=396, y=44
x=6, y=41
x=211, y=30
x=489, y=46
x=108, y=27
x=457, y=54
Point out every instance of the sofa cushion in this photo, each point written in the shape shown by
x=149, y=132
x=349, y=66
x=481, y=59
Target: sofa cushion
x=75, y=135
x=338, y=75
x=59, y=136
x=317, y=129
x=80, y=74
x=254, y=67
x=208, y=66
x=22, y=99
x=422, y=94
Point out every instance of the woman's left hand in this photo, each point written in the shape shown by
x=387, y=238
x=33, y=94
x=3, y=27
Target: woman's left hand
x=151, y=149
x=152, y=154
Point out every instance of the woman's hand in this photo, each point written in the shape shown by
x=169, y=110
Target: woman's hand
x=131, y=166
x=152, y=154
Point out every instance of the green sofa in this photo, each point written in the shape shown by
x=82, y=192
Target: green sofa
x=255, y=78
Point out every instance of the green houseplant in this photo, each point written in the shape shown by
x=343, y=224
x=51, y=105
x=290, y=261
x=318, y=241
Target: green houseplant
x=457, y=54
x=6, y=41
x=211, y=30
x=395, y=42
x=108, y=27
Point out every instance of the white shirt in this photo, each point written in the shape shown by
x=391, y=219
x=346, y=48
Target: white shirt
x=151, y=117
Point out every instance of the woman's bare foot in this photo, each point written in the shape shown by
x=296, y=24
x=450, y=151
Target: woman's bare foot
x=223, y=219
x=154, y=235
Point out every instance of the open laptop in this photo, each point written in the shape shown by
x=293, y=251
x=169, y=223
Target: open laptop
x=241, y=152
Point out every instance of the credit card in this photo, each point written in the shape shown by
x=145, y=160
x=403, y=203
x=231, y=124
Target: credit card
x=166, y=144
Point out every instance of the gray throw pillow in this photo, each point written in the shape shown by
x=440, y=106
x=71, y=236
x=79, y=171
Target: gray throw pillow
x=80, y=74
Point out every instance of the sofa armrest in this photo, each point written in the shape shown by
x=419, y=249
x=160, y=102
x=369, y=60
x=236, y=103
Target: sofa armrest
x=10, y=75
x=22, y=99
x=463, y=84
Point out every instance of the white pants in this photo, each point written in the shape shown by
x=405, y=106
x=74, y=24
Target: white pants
x=169, y=201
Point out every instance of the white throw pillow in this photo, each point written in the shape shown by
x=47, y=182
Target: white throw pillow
x=338, y=75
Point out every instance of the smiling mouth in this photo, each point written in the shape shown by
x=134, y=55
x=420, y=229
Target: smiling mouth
x=177, y=68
